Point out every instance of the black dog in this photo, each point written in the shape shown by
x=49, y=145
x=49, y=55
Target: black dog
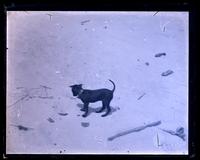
x=91, y=96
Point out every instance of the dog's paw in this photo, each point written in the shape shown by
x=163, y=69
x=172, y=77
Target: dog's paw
x=83, y=109
x=84, y=115
x=98, y=111
x=105, y=114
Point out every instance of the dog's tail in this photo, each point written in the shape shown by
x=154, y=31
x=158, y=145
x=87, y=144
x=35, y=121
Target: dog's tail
x=113, y=85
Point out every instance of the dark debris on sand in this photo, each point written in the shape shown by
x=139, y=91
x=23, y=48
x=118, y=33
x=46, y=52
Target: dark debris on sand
x=23, y=128
x=179, y=132
x=50, y=120
x=83, y=22
x=85, y=124
x=160, y=54
x=63, y=114
x=167, y=73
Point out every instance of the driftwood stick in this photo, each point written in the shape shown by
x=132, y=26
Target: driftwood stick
x=141, y=96
x=137, y=129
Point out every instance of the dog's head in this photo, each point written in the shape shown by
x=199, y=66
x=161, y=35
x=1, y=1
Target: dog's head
x=76, y=89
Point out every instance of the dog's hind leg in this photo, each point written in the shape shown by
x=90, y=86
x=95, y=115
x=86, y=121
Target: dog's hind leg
x=102, y=108
x=107, y=112
x=107, y=104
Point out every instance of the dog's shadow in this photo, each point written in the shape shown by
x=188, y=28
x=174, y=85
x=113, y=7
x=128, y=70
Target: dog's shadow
x=93, y=110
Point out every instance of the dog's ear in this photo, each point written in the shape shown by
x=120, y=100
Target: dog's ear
x=71, y=86
x=81, y=85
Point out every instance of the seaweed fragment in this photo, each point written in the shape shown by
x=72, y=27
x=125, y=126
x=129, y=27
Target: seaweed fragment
x=50, y=120
x=160, y=54
x=20, y=127
x=167, y=73
x=63, y=114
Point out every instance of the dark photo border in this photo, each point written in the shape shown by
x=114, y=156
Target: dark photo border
x=103, y=5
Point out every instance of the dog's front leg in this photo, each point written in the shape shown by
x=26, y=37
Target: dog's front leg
x=85, y=109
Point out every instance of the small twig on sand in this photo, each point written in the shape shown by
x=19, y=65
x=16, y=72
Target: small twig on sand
x=141, y=96
x=63, y=114
x=45, y=87
x=179, y=134
x=19, y=87
x=83, y=22
x=155, y=13
x=50, y=15
x=20, y=127
x=21, y=99
x=48, y=97
x=158, y=141
x=29, y=93
x=45, y=90
x=137, y=129
x=164, y=29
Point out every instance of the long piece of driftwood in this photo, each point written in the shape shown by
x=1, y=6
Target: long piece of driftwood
x=137, y=129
